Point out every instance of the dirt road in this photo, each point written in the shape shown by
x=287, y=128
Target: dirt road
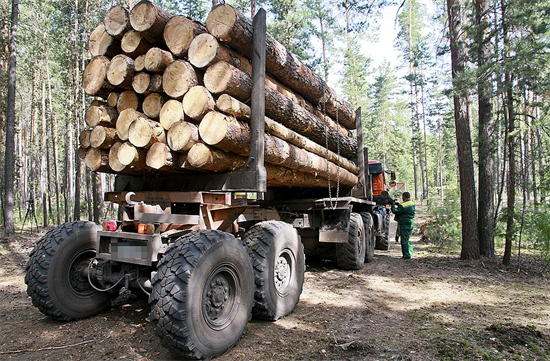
x=432, y=307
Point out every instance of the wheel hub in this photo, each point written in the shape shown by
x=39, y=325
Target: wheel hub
x=282, y=272
x=78, y=275
x=216, y=297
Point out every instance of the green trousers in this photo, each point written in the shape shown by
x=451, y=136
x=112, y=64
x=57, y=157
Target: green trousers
x=406, y=245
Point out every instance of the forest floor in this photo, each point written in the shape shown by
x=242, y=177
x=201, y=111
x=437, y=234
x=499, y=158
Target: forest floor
x=433, y=307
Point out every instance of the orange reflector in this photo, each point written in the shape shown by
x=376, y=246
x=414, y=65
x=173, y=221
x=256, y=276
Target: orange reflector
x=110, y=225
x=146, y=228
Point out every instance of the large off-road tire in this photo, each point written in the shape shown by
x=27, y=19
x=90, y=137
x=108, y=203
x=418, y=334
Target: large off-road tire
x=56, y=276
x=202, y=294
x=383, y=242
x=351, y=255
x=279, y=264
x=368, y=225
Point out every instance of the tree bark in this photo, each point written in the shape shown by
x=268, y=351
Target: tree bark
x=223, y=78
x=233, y=28
x=134, y=45
x=470, y=242
x=117, y=21
x=143, y=133
x=9, y=170
x=229, y=105
x=103, y=44
x=149, y=20
x=197, y=102
x=179, y=32
x=182, y=136
x=178, y=78
x=487, y=171
x=171, y=113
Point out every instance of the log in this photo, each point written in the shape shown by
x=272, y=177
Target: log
x=223, y=78
x=114, y=163
x=197, y=102
x=155, y=83
x=101, y=115
x=125, y=119
x=84, y=138
x=131, y=156
x=159, y=156
x=102, y=44
x=103, y=137
x=171, y=113
x=97, y=103
x=209, y=158
x=141, y=82
x=97, y=160
x=143, y=133
x=128, y=99
x=94, y=78
x=227, y=104
x=230, y=135
x=152, y=105
x=182, y=136
x=178, y=78
x=289, y=178
x=206, y=50
x=157, y=60
x=179, y=32
x=133, y=44
x=81, y=153
x=235, y=29
x=112, y=99
x=117, y=21
x=149, y=20
x=121, y=71
x=139, y=63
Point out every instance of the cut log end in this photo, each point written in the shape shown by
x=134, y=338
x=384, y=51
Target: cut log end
x=171, y=113
x=95, y=75
x=114, y=163
x=203, y=50
x=218, y=77
x=178, y=78
x=197, y=102
x=121, y=70
x=213, y=128
x=143, y=16
x=182, y=136
x=159, y=156
x=117, y=20
x=220, y=21
x=178, y=34
x=99, y=41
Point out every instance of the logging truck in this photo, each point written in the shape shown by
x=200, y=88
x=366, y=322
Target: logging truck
x=222, y=235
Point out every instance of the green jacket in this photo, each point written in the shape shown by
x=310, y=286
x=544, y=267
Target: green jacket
x=404, y=214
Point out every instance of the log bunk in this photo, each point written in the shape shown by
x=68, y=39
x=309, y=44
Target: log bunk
x=172, y=96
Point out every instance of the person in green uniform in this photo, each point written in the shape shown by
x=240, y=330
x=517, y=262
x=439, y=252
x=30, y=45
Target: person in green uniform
x=404, y=215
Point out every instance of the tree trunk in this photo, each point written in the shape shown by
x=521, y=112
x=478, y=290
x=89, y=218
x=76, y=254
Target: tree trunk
x=197, y=102
x=487, y=171
x=149, y=20
x=470, y=242
x=134, y=45
x=178, y=78
x=179, y=33
x=229, y=105
x=223, y=78
x=117, y=21
x=9, y=170
x=182, y=136
x=121, y=71
x=233, y=28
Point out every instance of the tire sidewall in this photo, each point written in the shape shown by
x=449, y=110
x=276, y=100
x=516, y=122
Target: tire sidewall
x=221, y=254
x=69, y=301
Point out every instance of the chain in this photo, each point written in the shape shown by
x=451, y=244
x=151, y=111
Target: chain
x=332, y=204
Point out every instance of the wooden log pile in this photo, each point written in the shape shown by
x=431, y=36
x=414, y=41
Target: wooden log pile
x=173, y=96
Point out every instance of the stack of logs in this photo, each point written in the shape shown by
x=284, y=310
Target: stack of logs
x=171, y=96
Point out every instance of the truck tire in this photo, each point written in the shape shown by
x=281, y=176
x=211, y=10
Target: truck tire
x=56, y=273
x=383, y=242
x=351, y=255
x=202, y=294
x=279, y=265
x=368, y=225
